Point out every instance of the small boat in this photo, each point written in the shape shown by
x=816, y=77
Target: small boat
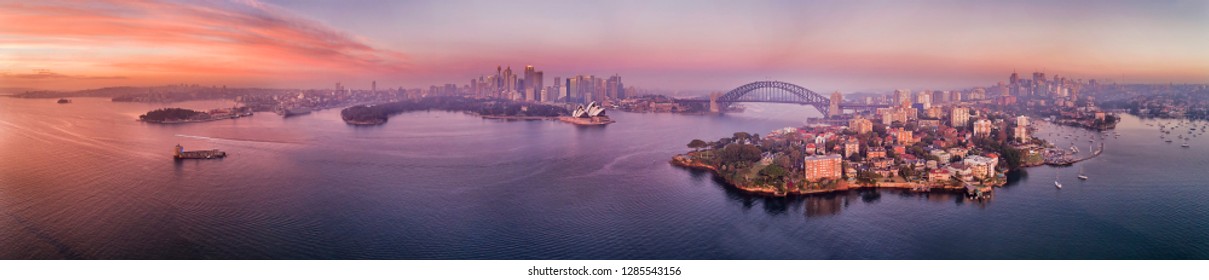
x=1081, y=176
x=1056, y=184
x=1185, y=145
x=64, y=101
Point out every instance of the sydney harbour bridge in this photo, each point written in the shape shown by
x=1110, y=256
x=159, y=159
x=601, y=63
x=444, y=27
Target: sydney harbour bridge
x=781, y=92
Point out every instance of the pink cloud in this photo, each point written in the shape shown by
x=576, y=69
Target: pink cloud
x=170, y=39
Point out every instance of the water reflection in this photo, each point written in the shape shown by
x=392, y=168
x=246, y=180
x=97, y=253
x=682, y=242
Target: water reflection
x=825, y=205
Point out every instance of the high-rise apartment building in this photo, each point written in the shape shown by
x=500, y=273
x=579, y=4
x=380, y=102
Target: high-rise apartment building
x=823, y=167
x=960, y=117
x=982, y=128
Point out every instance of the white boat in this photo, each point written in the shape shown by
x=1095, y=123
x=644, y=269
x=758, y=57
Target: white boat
x=1056, y=184
x=1081, y=176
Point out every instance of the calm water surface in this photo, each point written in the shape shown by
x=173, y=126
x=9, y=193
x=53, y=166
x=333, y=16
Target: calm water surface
x=86, y=181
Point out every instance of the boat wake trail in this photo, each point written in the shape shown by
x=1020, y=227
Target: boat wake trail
x=235, y=139
x=609, y=168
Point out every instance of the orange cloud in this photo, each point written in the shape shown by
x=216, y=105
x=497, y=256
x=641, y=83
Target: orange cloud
x=152, y=40
x=48, y=75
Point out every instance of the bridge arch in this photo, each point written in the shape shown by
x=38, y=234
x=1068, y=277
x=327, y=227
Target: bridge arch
x=775, y=92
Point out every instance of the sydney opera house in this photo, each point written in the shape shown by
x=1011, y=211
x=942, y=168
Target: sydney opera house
x=592, y=110
x=593, y=114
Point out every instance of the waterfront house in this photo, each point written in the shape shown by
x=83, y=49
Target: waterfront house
x=982, y=167
x=939, y=175
x=961, y=172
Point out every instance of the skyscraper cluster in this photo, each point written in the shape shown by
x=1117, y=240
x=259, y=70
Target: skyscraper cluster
x=531, y=87
x=1039, y=85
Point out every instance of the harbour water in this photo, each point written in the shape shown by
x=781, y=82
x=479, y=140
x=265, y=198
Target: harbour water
x=86, y=181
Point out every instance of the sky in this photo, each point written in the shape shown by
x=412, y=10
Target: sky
x=678, y=45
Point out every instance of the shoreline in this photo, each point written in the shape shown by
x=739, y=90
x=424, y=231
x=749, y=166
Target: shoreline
x=593, y=121
x=565, y=119
x=513, y=118
x=236, y=116
x=681, y=160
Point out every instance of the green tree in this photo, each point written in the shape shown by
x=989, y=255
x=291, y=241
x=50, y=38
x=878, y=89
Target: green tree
x=773, y=171
x=740, y=136
x=783, y=161
x=697, y=144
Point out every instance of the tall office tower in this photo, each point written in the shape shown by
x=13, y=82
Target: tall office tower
x=549, y=94
x=621, y=92
x=556, y=89
x=528, y=88
x=1014, y=78
x=938, y=97
x=536, y=85
x=522, y=94
x=498, y=80
x=598, y=93
x=902, y=97
x=509, y=80
x=613, y=87
x=574, y=89
x=955, y=96
x=567, y=90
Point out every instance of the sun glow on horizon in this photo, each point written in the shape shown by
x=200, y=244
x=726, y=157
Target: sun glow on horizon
x=664, y=44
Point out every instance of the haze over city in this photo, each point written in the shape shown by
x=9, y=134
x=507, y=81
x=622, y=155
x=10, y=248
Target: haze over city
x=840, y=45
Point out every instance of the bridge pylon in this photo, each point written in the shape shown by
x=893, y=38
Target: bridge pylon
x=713, y=102
x=834, y=109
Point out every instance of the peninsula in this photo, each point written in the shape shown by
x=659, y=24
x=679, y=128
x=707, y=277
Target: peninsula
x=377, y=114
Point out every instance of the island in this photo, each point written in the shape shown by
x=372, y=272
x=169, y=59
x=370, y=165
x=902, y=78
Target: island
x=180, y=115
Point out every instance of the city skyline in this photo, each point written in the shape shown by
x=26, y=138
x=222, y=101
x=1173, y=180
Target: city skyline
x=825, y=46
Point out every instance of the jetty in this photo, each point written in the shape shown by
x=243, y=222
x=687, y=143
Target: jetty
x=179, y=153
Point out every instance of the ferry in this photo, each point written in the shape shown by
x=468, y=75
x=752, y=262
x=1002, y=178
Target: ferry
x=289, y=112
x=179, y=153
